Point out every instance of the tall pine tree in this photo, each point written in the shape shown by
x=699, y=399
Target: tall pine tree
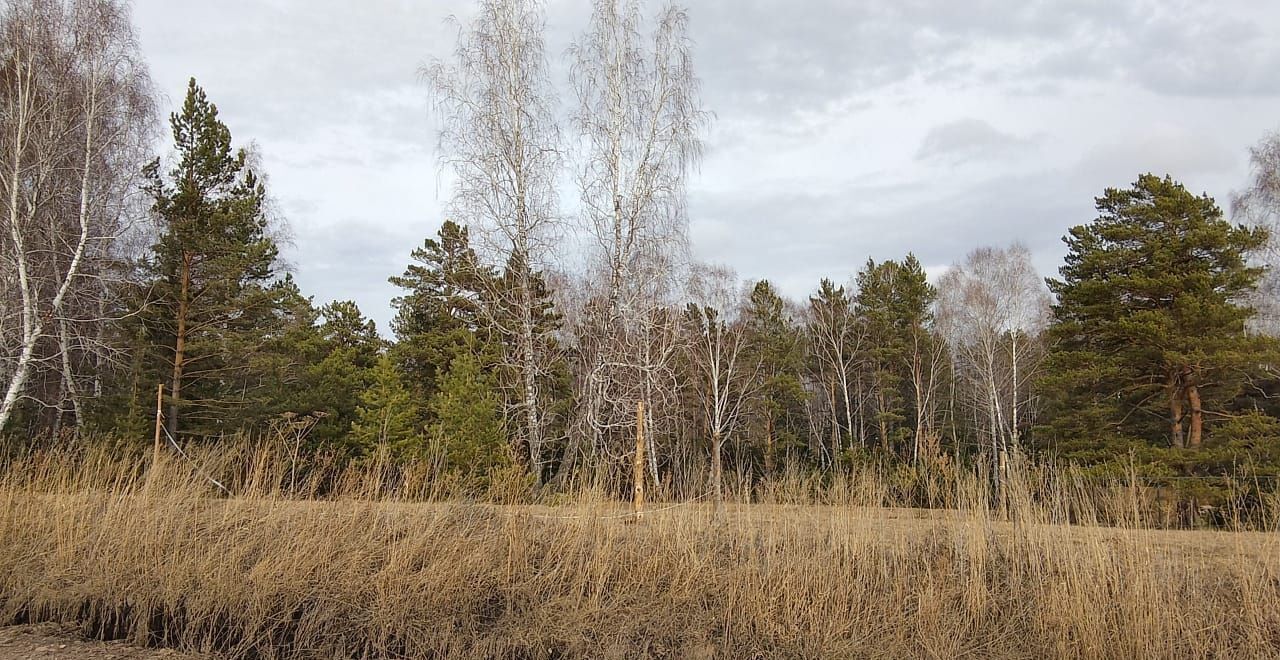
x=439, y=313
x=893, y=302
x=1148, y=339
x=448, y=351
x=212, y=297
x=777, y=345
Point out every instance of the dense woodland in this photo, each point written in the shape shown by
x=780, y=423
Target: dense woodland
x=139, y=253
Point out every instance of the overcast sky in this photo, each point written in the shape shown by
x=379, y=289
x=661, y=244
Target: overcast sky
x=845, y=129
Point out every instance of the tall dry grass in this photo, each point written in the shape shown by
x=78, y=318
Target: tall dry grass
x=307, y=563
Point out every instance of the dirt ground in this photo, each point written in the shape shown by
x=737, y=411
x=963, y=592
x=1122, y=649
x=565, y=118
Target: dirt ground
x=50, y=641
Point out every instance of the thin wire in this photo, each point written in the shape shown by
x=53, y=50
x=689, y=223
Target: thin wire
x=193, y=462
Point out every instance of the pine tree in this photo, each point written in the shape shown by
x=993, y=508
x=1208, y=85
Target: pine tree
x=777, y=345
x=277, y=344
x=387, y=415
x=893, y=303
x=210, y=300
x=467, y=418
x=439, y=314
x=349, y=350
x=1149, y=328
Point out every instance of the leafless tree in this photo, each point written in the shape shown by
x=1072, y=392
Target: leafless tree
x=836, y=342
x=638, y=120
x=75, y=111
x=501, y=141
x=926, y=363
x=1259, y=205
x=991, y=309
x=717, y=351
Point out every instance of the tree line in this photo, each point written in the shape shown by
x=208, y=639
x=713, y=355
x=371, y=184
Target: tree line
x=125, y=270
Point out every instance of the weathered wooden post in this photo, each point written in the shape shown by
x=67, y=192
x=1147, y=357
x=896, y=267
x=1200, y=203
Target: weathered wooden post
x=1003, y=471
x=639, y=461
x=155, y=453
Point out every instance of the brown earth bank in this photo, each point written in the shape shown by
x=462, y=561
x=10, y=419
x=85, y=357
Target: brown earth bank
x=50, y=641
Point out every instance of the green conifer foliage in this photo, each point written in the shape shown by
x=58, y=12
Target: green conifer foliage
x=388, y=414
x=1148, y=339
x=467, y=419
x=777, y=345
x=211, y=299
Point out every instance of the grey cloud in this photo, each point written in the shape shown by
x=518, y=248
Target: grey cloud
x=1184, y=155
x=777, y=57
x=761, y=234
x=1205, y=49
x=965, y=139
x=352, y=261
x=331, y=91
x=774, y=59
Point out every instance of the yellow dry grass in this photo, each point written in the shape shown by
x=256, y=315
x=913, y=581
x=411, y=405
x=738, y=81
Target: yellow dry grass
x=162, y=558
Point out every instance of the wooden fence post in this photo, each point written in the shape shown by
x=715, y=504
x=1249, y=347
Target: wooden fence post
x=155, y=453
x=1003, y=471
x=639, y=461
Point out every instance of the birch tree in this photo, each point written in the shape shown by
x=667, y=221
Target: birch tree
x=500, y=140
x=75, y=110
x=725, y=372
x=638, y=118
x=991, y=310
x=835, y=342
x=1259, y=205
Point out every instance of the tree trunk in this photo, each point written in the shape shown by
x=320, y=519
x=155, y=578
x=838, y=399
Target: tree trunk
x=73, y=270
x=917, y=378
x=1013, y=413
x=30, y=322
x=1197, y=416
x=769, y=446
x=1175, y=413
x=1002, y=470
x=651, y=446
x=180, y=343
x=882, y=409
x=861, y=414
x=71, y=391
x=638, y=462
x=848, y=404
x=835, y=424
x=992, y=409
x=717, y=472
x=529, y=365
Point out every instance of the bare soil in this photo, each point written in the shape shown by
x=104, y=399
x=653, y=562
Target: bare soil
x=54, y=642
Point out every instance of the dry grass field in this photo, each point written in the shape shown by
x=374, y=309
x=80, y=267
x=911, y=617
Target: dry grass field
x=161, y=558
